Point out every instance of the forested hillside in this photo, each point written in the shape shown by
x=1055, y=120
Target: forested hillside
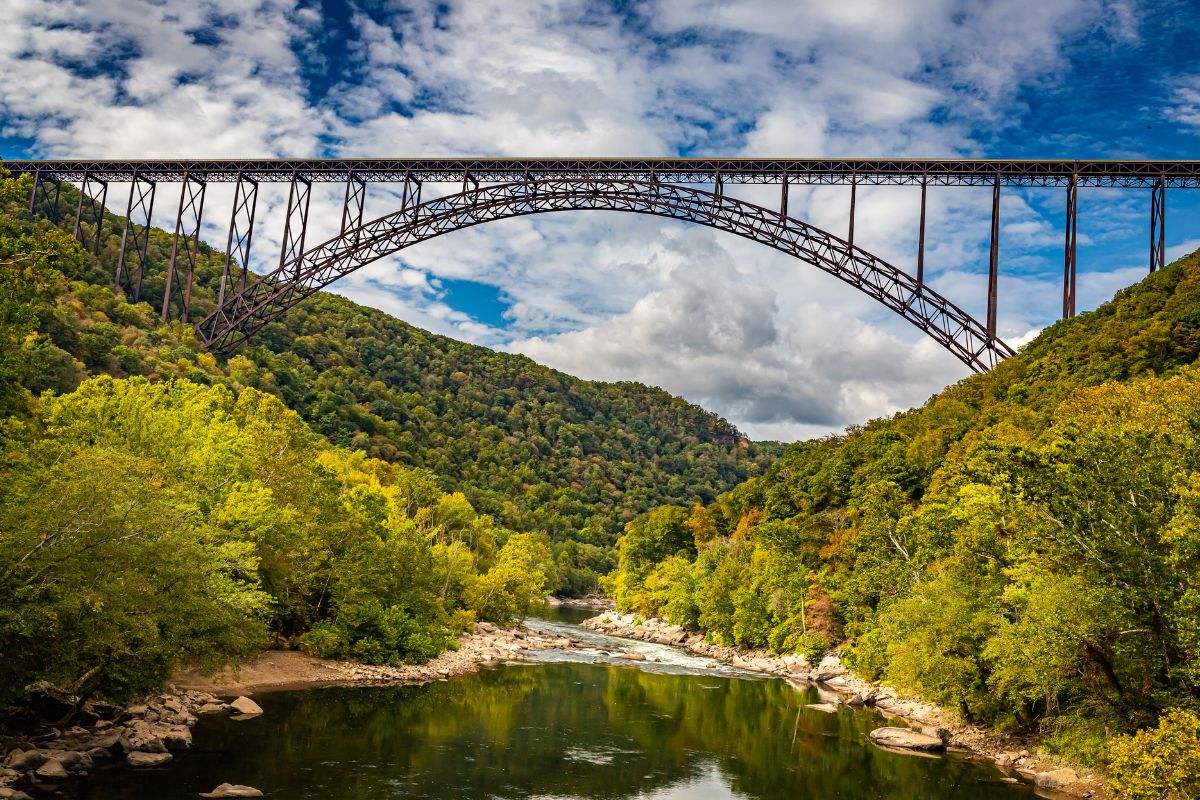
x=1025, y=547
x=154, y=519
x=535, y=448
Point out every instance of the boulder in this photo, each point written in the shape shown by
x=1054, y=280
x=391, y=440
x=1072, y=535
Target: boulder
x=52, y=770
x=178, y=737
x=233, y=790
x=114, y=741
x=140, y=759
x=49, y=702
x=828, y=708
x=212, y=708
x=73, y=761
x=936, y=732
x=8, y=793
x=1056, y=779
x=245, y=707
x=906, y=739
x=23, y=761
x=633, y=655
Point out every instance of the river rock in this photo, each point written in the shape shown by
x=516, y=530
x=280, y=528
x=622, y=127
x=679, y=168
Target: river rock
x=905, y=739
x=73, y=761
x=9, y=793
x=23, y=761
x=140, y=759
x=1056, y=779
x=178, y=737
x=633, y=655
x=828, y=708
x=113, y=741
x=52, y=770
x=245, y=707
x=233, y=790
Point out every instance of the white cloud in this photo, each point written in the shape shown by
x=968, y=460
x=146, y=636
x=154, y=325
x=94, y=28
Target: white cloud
x=723, y=321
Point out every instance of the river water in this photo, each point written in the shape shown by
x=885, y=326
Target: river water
x=570, y=724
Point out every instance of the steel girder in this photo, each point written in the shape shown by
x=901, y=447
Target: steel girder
x=244, y=313
x=697, y=171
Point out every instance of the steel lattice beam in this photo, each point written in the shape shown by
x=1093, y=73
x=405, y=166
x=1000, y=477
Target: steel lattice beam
x=241, y=230
x=141, y=206
x=265, y=299
x=178, y=288
x=1069, y=250
x=1158, y=225
x=694, y=171
x=295, y=223
x=94, y=206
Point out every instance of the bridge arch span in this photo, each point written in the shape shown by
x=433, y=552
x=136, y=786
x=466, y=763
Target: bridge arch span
x=239, y=315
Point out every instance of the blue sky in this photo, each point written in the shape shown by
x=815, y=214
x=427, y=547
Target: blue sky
x=781, y=350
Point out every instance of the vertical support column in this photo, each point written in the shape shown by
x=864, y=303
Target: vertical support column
x=469, y=178
x=191, y=207
x=141, y=205
x=994, y=260
x=853, y=195
x=95, y=209
x=921, y=237
x=352, y=206
x=41, y=195
x=410, y=195
x=1069, y=248
x=718, y=185
x=296, y=224
x=1158, y=224
x=241, y=229
x=783, y=199
x=54, y=202
x=37, y=179
x=79, y=205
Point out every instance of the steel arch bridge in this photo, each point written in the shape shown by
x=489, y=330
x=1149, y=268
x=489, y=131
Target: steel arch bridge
x=494, y=189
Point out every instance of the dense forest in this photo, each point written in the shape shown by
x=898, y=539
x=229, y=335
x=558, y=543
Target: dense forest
x=174, y=514
x=1025, y=547
x=537, y=449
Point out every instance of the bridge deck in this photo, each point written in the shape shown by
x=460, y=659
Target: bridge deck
x=935, y=172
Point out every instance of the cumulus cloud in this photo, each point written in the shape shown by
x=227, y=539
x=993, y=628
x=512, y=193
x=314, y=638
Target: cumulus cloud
x=781, y=349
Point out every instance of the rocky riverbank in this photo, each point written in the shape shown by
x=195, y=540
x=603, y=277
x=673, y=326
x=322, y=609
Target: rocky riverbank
x=285, y=669
x=155, y=730
x=1014, y=756
x=580, y=602
x=146, y=734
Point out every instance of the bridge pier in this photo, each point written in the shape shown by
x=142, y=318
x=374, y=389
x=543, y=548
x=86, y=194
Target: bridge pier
x=994, y=261
x=921, y=237
x=140, y=205
x=352, y=205
x=40, y=188
x=87, y=195
x=179, y=288
x=241, y=232
x=853, y=194
x=296, y=223
x=1069, y=248
x=1158, y=224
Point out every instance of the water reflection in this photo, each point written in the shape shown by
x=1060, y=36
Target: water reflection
x=558, y=730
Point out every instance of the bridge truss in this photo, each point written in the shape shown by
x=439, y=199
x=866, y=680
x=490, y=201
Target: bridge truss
x=497, y=188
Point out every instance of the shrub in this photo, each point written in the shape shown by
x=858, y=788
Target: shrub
x=1160, y=763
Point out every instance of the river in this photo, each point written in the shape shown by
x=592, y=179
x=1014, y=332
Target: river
x=569, y=724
